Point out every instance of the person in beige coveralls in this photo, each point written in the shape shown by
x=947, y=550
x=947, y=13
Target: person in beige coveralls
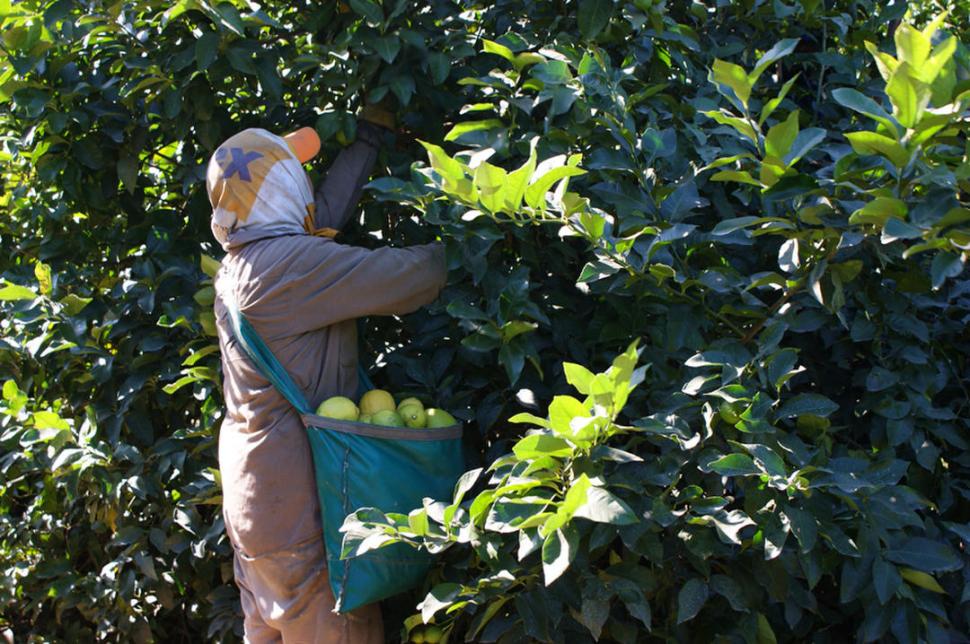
x=302, y=291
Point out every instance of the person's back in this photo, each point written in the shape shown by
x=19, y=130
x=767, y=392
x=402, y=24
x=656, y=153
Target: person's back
x=302, y=293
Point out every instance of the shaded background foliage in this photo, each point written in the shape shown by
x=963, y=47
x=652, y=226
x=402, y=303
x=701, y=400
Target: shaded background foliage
x=812, y=347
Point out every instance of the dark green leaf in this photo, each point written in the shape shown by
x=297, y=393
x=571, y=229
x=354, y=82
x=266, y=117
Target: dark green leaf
x=593, y=16
x=690, y=599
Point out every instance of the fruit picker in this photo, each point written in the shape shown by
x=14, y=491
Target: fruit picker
x=302, y=291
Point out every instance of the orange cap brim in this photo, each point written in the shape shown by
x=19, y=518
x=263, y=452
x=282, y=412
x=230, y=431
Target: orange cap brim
x=305, y=143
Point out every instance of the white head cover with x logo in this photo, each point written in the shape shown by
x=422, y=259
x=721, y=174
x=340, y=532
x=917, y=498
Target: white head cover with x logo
x=257, y=188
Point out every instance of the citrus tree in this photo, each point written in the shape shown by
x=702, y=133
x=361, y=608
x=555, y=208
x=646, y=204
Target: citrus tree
x=767, y=199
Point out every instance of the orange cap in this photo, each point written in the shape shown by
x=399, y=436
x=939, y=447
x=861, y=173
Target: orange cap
x=305, y=143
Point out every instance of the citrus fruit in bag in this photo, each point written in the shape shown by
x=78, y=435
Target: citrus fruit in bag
x=376, y=400
x=439, y=418
x=387, y=418
x=407, y=402
x=338, y=407
x=413, y=415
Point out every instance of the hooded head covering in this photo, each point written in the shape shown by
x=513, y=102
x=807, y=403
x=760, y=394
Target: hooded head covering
x=258, y=188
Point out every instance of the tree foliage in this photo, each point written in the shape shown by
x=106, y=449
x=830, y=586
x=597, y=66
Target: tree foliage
x=768, y=199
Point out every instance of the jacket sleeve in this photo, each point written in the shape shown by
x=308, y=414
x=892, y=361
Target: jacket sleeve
x=347, y=282
x=339, y=191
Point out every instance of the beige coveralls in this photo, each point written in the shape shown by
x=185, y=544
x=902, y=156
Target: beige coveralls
x=302, y=295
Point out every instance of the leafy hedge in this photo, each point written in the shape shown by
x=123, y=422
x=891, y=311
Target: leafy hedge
x=769, y=197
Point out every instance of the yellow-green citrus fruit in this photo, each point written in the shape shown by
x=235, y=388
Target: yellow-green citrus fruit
x=387, y=418
x=376, y=400
x=417, y=636
x=414, y=416
x=338, y=407
x=433, y=634
x=364, y=418
x=439, y=418
x=407, y=402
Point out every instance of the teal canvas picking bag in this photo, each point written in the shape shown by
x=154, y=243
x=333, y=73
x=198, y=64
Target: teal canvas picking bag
x=360, y=465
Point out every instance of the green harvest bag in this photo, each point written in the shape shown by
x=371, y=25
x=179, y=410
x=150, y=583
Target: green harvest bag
x=360, y=465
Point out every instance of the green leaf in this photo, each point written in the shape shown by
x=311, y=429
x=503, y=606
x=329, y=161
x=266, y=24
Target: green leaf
x=880, y=378
x=602, y=506
x=535, y=194
x=10, y=390
x=738, y=223
x=529, y=418
x=742, y=126
x=518, y=180
x=909, y=96
x=442, y=163
x=886, y=579
x=879, y=211
x=867, y=143
x=206, y=49
x=734, y=465
x=536, y=445
x=14, y=292
x=515, y=328
x=49, y=420
x=945, y=265
x=780, y=137
x=803, y=526
x=925, y=554
x=439, y=66
x=441, y=597
x=766, y=635
x=369, y=9
x=859, y=102
x=778, y=51
x=691, y=598
x=492, y=47
x=912, y=45
x=773, y=104
x=815, y=404
x=558, y=551
x=929, y=71
x=387, y=48
x=490, y=181
x=466, y=127
x=803, y=144
x=552, y=72
x=562, y=411
x=725, y=74
x=922, y=579
x=403, y=88
x=579, y=377
x=731, y=590
x=737, y=176
x=593, y=16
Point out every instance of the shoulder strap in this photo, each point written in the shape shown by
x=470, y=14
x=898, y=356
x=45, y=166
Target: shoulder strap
x=264, y=360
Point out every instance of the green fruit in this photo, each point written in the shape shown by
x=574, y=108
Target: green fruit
x=413, y=415
x=433, y=634
x=387, y=418
x=439, y=418
x=730, y=413
x=407, y=402
x=417, y=636
x=376, y=400
x=338, y=407
x=364, y=418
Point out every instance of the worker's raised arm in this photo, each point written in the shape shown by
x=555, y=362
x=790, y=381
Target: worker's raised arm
x=337, y=194
x=340, y=282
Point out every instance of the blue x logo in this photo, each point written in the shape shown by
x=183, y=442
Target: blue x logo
x=239, y=164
